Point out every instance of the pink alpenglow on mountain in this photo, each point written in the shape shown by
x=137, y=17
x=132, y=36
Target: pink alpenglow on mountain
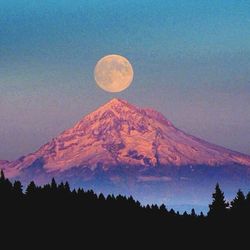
x=119, y=133
x=3, y=163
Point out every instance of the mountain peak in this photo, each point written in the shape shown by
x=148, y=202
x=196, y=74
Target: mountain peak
x=119, y=133
x=116, y=102
x=123, y=110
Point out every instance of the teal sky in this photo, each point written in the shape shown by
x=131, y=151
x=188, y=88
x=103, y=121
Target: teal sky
x=191, y=61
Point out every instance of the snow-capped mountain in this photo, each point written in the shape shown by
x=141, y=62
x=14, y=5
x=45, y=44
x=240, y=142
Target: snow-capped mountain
x=123, y=149
x=119, y=133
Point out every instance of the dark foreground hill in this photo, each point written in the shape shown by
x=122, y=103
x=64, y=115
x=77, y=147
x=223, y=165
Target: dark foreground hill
x=54, y=213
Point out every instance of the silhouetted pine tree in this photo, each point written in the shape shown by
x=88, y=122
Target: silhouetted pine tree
x=163, y=208
x=31, y=189
x=61, y=187
x=2, y=176
x=2, y=182
x=18, y=189
x=239, y=202
x=193, y=214
x=185, y=214
x=101, y=197
x=172, y=212
x=219, y=206
x=66, y=187
x=53, y=185
x=154, y=208
x=6, y=187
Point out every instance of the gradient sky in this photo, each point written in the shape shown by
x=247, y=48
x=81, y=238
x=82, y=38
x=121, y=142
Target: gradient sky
x=191, y=62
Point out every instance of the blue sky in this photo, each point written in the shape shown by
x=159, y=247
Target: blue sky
x=191, y=62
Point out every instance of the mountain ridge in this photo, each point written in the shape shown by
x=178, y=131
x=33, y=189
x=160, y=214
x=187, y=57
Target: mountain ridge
x=119, y=133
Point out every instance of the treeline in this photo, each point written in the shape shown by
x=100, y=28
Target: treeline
x=67, y=212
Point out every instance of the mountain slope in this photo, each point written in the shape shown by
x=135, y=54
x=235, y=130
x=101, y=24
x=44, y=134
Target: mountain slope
x=119, y=133
x=3, y=163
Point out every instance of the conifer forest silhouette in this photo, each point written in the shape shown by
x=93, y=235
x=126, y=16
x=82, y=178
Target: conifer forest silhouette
x=54, y=210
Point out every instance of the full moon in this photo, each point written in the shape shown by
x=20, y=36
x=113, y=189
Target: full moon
x=113, y=73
